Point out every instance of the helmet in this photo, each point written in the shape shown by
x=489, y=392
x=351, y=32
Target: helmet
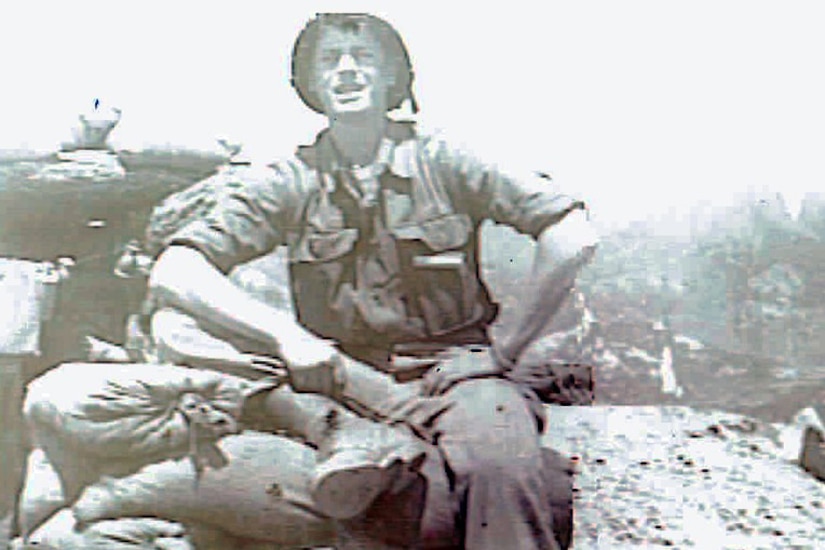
x=395, y=56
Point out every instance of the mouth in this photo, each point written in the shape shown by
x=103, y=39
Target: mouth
x=344, y=89
x=349, y=92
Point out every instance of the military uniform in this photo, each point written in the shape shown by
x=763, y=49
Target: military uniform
x=395, y=266
x=384, y=260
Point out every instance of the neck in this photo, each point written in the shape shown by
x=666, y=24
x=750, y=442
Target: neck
x=358, y=139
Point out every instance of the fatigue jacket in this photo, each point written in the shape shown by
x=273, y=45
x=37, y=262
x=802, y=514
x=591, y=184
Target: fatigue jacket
x=380, y=256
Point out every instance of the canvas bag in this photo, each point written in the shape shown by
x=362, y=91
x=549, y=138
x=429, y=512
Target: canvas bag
x=105, y=418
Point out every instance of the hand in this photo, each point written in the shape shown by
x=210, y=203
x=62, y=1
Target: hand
x=416, y=412
x=463, y=364
x=314, y=365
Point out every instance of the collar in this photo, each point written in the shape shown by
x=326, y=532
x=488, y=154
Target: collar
x=396, y=152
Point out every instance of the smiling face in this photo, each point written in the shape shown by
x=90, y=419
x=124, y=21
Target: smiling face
x=350, y=73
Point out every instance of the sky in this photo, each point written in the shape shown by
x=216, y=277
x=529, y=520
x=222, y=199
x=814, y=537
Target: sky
x=644, y=108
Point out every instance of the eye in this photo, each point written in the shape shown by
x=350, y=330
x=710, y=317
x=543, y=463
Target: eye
x=365, y=55
x=329, y=58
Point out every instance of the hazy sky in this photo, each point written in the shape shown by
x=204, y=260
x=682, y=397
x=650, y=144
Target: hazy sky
x=643, y=107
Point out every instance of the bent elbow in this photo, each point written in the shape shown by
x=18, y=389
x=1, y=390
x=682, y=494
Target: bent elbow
x=573, y=237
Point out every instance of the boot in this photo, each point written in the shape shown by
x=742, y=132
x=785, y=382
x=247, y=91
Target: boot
x=359, y=460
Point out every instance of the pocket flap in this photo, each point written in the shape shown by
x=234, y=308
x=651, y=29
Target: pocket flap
x=322, y=247
x=444, y=233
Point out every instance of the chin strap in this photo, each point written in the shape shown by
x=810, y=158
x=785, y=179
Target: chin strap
x=413, y=103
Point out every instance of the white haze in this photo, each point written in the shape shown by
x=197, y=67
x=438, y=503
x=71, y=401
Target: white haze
x=643, y=107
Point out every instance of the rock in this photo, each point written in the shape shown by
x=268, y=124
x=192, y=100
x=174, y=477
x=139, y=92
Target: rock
x=95, y=126
x=655, y=485
x=812, y=456
x=794, y=437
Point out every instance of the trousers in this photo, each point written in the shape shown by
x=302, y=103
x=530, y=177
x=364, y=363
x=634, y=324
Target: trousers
x=490, y=484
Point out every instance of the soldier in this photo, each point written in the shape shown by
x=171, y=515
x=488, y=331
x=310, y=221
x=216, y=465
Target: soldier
x=382, y=229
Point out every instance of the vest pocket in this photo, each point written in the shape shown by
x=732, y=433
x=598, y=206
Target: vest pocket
x=437, y=271
x=325, y=247
x=317, y=272
x=448, y=232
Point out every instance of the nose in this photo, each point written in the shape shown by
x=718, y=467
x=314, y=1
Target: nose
x=346, y=63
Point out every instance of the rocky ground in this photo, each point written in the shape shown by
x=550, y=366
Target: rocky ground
x=674, y=476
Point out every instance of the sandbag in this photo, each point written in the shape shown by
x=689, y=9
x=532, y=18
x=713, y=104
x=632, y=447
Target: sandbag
x=42, y=498
x=42, y=494
x=126, y=410
x=96, y=419
x=62, y=532
x=261, y=493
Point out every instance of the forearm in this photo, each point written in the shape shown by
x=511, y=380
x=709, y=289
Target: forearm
x=551, y=281
x=183, y=278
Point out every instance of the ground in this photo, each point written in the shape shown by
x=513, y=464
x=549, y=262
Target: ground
x=674, y=476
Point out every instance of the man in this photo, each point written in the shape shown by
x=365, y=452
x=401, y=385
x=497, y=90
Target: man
x=382, y=228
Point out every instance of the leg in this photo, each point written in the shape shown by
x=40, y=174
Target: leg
x=359, y=458
x=481, y=493
x=496, y=469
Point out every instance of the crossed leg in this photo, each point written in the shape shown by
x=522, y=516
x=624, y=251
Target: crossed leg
x=488, y=484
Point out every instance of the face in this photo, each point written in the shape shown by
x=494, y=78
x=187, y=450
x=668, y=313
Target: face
x=349, y=73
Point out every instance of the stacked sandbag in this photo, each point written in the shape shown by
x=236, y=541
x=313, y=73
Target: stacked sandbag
x=45, y=522
x=120, y=437
x=61, y=532
x=42, y=494
x=98, y=418
x=260, y=493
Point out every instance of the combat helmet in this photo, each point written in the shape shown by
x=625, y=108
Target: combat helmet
x=395, y=52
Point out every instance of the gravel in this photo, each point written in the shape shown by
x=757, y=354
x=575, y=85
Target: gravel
x=677, y=477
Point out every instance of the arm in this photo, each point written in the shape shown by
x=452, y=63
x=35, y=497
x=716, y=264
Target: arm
x=252, y=210
x=183, y=278
x=534, y=205
x=561, y=252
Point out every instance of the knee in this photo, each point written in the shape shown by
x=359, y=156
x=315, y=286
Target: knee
x=499, y=463
x=490, y=432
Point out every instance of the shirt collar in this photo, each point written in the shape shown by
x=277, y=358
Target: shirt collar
x=395, y=152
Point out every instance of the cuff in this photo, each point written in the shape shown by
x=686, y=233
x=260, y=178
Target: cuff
x=504, y=363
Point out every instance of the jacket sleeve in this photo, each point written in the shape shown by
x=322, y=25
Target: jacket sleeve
x=251, y=216
x=527, y=202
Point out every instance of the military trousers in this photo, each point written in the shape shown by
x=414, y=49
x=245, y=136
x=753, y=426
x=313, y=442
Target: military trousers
x=489, y=482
